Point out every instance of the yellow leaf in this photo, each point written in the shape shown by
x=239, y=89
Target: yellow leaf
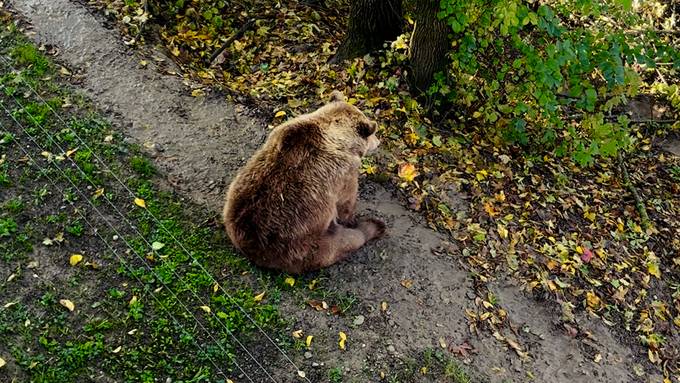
x=481, y=175
x=133, y=300
x=280, y=113
x=68, y=304
x=175, y=51
x=289, y=281
x=259, y=297
x=343, y=338
x=117, y=349
x=407, y=172
x=2, y=363
x=205, y=308
x=653, y=265
x=590, y=216
x=98, y=193
x=69, y=152
x=593, y=300
x=308, y=341
x=140, y=202
x=297, y=334
x=75, y=259
x=407, y=283
x=216, y=287
x=653, y=269
x=502, y=231
x=423, y=370
x=383, y=306
x=197, y=93
x=677, y=320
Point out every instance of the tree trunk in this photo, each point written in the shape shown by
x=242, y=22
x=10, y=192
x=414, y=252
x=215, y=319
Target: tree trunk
x=429, y=44
x=371, y=23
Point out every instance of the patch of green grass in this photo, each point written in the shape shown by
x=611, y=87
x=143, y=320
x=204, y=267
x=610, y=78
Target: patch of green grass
x=142, y=166
x=137, y=310
x=335, y=375
x=5, y=179
x=27, y=55
x=75, y=228
x=13, y=205
x=7, y=227
x=432, y=364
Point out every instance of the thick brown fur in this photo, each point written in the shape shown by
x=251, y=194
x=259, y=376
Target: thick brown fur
x=292, y=206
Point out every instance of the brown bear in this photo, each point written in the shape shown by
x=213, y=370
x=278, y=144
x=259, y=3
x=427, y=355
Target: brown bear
x=292, y=206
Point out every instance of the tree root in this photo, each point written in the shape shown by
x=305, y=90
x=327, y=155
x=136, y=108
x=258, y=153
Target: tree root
x=639, y=204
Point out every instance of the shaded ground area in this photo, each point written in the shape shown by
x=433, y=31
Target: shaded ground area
x=408, y=299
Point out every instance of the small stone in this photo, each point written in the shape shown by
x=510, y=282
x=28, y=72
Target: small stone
x=115, y=237
x=314, y=364
x=358, y=320
x=391, y=349
x=308, y=355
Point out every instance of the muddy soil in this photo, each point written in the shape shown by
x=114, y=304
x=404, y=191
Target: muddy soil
x=199, y=143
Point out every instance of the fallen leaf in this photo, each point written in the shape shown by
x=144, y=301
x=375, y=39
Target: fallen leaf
x=157, y=246
x=259, y=296
x=343, y=338
x=587, y=255
x=383, y=306
x=117, y=349
x=653, y=265
x=206, y=309
x=216, y=287
x=502, y=231
x=280, y=113
x=407, y=172
x=300, y=374
x=462, y=349
x=308, y=340
x=289, y=281
x=198, y=93
x=75, y=259
x=318, y=305
x=592, y=300
x=442, y=342
x=68, y=304
x=98, y=193
x=2, y=363
x=140, y=202
x=297, y=334
x=407, y=283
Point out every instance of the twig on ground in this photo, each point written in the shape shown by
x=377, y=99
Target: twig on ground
x=230, y=40
x=644, y=218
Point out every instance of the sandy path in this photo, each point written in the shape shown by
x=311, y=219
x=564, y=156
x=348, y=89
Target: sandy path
x=199, y=143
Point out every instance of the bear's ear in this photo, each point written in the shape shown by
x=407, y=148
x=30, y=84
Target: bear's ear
x=365, y=129
x=336, y=96
x=301, y=135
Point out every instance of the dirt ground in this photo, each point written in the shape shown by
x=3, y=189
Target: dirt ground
x=198, y=143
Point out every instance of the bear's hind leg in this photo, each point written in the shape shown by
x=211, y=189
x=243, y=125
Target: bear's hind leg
x=339, y=241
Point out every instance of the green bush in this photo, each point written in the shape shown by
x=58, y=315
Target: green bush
x=556, y=74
